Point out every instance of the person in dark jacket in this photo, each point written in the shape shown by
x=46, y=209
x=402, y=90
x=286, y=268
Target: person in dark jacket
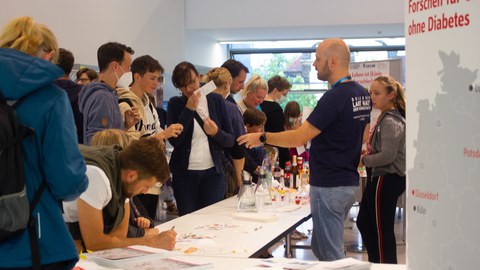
x=235, y=155
x=278, y=88
x=239, y=75
x=98, y=101
x=65, y=62
x=254, y=121
x=52, y=154
x=196, y=163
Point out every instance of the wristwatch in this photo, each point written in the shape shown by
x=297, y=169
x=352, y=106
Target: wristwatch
x=263, y=137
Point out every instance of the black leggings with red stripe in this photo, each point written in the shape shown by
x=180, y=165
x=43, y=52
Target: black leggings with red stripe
x=376, y=216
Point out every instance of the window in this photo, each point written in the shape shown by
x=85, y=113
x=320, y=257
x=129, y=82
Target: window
x=293, y=60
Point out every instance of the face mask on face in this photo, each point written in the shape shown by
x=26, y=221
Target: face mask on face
x=281, y=99
x=125, y=80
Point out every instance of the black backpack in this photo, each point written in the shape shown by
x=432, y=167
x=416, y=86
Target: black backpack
x=15, y=209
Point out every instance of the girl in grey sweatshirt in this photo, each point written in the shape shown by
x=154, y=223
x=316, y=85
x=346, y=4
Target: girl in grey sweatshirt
x=385, y=160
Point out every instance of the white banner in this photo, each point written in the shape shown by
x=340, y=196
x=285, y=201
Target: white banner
x=443, y=133
x=365, y=72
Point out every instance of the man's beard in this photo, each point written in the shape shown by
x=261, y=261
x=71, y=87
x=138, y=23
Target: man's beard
x=324, y=73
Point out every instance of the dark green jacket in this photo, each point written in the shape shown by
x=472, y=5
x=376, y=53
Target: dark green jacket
x=106, y=158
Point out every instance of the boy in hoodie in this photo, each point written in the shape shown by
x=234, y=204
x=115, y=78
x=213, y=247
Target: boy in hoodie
x=98, y=101
x=147, y=74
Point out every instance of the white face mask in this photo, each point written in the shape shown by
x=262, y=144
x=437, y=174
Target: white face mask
x=281, y=99
x=125, y=80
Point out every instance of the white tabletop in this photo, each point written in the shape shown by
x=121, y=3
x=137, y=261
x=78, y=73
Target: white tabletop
x=232, y=237
x=222, y=263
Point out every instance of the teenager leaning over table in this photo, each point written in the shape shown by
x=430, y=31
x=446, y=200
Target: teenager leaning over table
x=385, y=158
x=336, y=128
x=196, y=163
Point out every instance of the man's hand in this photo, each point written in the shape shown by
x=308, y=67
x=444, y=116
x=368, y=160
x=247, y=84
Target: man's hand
x=210, y=127
x=250, y=140
x=132, y=117
x=142, y=222
x=165, y=240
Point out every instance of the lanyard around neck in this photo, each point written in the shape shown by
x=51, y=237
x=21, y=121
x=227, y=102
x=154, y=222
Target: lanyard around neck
x=341, y=80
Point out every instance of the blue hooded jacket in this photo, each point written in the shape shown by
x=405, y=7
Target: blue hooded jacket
x=51, y=154
x=99, y=104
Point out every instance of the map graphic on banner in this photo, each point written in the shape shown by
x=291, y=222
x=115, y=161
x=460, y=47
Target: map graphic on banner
x=443, y=134
x=456, y=190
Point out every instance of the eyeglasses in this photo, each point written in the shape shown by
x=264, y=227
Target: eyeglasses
x=161, y=80
x=191, y=82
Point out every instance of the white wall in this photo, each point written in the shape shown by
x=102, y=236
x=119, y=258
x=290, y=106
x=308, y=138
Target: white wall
x=177, y=30
x=249, y=19
x=155, y=27
x=210, y=21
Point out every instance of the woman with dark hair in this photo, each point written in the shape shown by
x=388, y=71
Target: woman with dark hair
x=196, y=163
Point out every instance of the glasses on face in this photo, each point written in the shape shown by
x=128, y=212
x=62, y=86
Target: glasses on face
x=83, y=80
x=161, y=80
x=191, y=82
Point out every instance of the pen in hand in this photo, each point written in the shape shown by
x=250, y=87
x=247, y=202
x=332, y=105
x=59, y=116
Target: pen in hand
x=173, y=228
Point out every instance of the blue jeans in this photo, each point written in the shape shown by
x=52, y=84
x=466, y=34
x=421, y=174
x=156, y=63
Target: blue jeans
x=197, y=189
x=330, y=206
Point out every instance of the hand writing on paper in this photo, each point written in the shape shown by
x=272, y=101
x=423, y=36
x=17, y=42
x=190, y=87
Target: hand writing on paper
x=132, y=117
x=165, y=240
x=192, y=102
x=210, y=127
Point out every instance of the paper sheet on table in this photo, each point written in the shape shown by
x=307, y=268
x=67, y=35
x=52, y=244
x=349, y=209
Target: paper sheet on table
x=206, y=89
x=260, y=217
x=347, y=263
x=88, y=265
x=306, y=112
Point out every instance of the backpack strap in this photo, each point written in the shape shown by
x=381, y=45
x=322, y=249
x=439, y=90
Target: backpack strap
x=35, y=250
x=126, y=100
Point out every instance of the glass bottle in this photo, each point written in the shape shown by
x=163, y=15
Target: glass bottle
x=294, y=172
x=276, y=171
x=288, y=166
x=246, y=195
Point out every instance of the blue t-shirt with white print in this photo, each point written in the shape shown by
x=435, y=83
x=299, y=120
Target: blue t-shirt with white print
x=341, y=115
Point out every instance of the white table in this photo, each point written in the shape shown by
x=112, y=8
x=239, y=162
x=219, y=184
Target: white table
x=222, y=263
x=243, y=264
x=247, y=239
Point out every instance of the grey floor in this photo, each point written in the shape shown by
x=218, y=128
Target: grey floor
x=352, y=240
